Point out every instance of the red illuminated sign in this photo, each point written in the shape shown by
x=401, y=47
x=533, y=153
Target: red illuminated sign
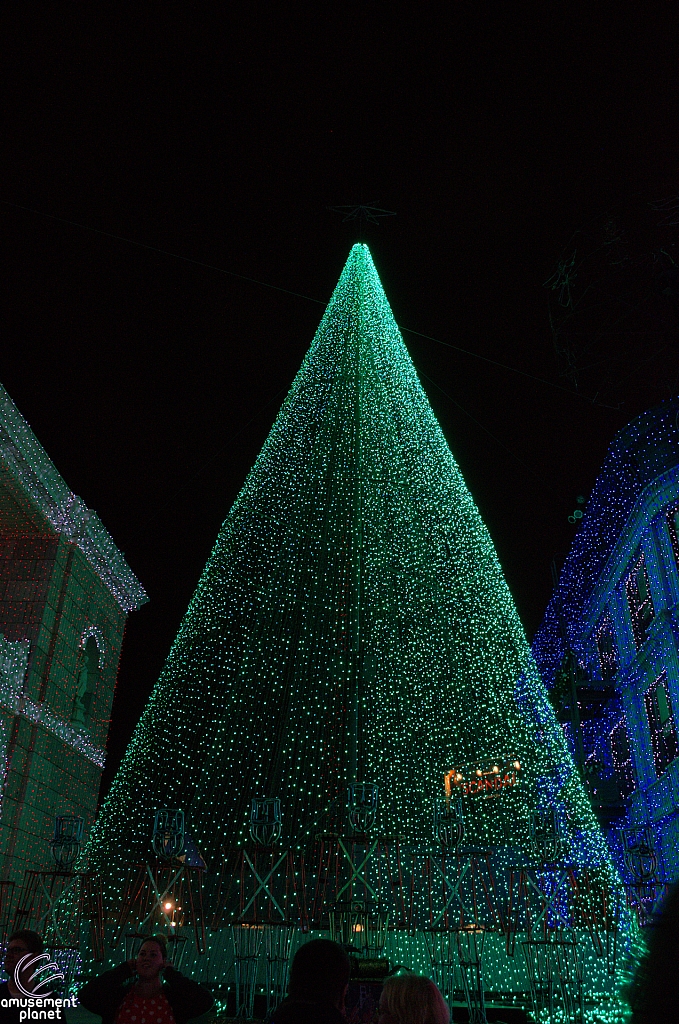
x=482, y=783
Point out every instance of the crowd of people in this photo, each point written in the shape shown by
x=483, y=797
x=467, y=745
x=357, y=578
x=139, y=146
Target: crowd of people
x=149, y=990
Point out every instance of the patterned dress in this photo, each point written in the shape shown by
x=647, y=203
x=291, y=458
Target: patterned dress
x=136, y=1009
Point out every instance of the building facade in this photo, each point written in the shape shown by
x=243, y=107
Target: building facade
x=608, y=646
x=65, y=593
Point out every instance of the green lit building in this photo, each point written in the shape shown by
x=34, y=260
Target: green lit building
x=65, y=593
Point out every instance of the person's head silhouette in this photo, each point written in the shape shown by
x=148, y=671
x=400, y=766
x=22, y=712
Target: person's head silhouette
x=319, y=977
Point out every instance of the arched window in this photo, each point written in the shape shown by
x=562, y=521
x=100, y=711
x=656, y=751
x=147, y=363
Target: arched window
x=87, y=682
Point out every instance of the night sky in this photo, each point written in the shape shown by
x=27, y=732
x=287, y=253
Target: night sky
x=494, y=130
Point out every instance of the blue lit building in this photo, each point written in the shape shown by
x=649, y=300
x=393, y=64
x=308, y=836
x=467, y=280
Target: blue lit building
x=608, y=647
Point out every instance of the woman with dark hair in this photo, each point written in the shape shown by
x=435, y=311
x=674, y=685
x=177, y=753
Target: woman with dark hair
x=319, y=978
x=147, y=990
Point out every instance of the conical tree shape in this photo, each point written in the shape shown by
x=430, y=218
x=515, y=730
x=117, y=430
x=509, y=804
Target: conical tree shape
x=352, y=623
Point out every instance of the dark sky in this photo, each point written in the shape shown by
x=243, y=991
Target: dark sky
x=493, y=130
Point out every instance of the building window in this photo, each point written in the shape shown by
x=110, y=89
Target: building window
x=88, y=678
x=639, y=600
x=661, y=724
x=606, y=646
x=622, y=759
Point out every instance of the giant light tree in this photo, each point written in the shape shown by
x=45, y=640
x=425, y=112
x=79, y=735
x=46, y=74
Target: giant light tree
x=352, y=625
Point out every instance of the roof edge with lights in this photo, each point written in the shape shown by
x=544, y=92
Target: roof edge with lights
x=28, y=462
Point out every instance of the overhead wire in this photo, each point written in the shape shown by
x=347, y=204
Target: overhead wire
x=478, y=424
x=309, y=298
x=162, y=252
x=211, y=459
x=287, y=291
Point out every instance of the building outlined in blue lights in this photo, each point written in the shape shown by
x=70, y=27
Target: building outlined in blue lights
x=608, y=647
